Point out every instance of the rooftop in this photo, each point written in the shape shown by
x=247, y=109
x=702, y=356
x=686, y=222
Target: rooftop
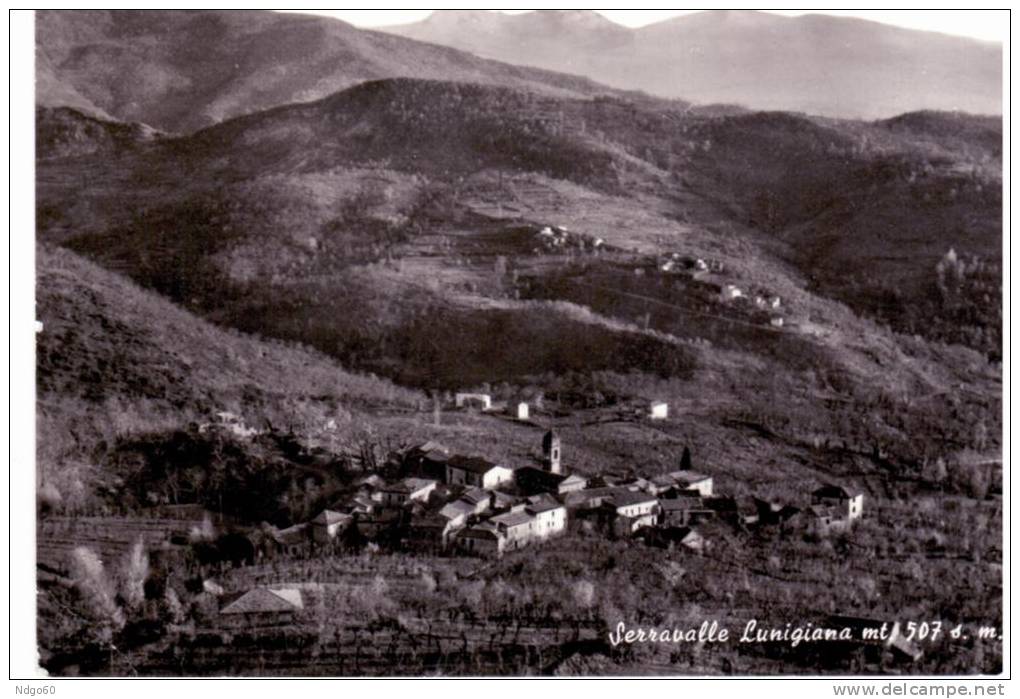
x=681, y=503
x=624, y=498
x=262, y=600
x=837, y=492
x=688, y=476
x=512, y=519
x=328, y=517
x=543, y=503
x=473, y=464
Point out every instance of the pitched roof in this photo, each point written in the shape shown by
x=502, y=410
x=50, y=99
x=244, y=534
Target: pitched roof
x=408, y=485
x=328, y=517
x=623, y=498
x=539, y=474
x=473, y=464
x=457, y=508
x=512, y=519
x=688, y=477
x=262, y=600
x=429, y=521
x=475, y=496
x=825, y=511
x=503, y=499
x=480, y=532
x=429, y=447
x=681, y=503
x=290, y=535
x=543, y=503
x=832, y=491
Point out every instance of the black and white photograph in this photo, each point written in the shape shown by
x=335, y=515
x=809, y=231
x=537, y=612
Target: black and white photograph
x=513, y=344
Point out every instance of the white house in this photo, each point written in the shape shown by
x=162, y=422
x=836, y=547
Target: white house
x=521, y=410
x=690, y=480
x=550, y=515
x=849, y=505
x=658, y=410
x=730, y=292
x=328, y=524
x=457, y=512
x=407, y=490
x=476, y=471
x=519, y=528
x=473, y=400
x=572, y=483
x=634, y=510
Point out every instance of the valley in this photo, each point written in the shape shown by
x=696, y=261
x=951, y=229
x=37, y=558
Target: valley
x=250, y=305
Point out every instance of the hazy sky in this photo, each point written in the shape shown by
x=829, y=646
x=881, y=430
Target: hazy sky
x=989, y=25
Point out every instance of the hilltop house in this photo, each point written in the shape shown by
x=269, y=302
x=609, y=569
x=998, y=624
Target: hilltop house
x=823, y=520
x=476, y=471
x=261, y=606
x=480, y=401
x=521, y=410
x=730, y=292
x=848, y=505
x=658, y=410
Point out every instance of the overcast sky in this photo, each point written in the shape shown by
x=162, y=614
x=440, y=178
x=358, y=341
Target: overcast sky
x=989, y=25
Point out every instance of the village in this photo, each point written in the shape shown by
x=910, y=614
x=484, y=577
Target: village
x=438, y=502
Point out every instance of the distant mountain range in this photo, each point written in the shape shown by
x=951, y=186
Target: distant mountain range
x=181, y=71
x=819, y=64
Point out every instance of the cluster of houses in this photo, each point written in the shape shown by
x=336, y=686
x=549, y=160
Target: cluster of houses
x=764, y=304
x=454, y=504
x=676, y=263
x=556, y=238
x=522, y=410
x=451, y=503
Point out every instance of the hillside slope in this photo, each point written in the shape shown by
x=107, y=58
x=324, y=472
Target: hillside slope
x=814, y=63
x=134, y=66
x=864, y=211
x=116, y=362
x=419, y=258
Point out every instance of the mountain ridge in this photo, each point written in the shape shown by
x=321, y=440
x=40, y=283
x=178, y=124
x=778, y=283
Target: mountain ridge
x=820, y=64
x=129, y=65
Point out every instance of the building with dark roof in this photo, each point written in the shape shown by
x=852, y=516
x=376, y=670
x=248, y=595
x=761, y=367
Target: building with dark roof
x=476, y=471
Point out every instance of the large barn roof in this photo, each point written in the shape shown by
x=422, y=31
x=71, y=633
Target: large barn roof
x=262, y=600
